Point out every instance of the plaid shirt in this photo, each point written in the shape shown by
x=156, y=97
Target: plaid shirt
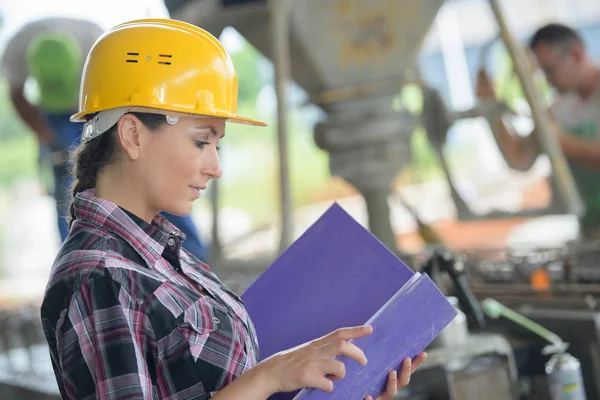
x=122, y=321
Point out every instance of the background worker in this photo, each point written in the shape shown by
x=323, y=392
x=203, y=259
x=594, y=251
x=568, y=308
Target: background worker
x=52, y=51
x=561, y=54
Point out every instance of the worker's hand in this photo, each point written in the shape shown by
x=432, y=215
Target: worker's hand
x=312, y=365
x=400, y=379
x=485, y=86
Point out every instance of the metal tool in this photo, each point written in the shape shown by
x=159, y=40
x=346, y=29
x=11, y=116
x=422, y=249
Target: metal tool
x=443, y=260
x=563, y=371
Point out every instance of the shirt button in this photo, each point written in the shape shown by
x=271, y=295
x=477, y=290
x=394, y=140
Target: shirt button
x=216, y=320
x=171, y=242
x=175, y=233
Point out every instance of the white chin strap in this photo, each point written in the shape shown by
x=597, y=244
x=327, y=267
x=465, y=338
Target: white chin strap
x=107, y=119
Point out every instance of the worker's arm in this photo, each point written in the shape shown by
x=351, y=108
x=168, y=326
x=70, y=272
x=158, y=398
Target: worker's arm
x=31, y=115
x=586, y=152
x=13, y=66
x=520, y=152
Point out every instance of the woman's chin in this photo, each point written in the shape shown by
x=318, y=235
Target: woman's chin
x=180, y=210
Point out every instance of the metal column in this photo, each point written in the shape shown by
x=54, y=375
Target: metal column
x=280, y=36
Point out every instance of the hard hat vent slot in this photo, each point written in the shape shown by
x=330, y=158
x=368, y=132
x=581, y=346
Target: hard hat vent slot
x=165, y=56
x=129, y=60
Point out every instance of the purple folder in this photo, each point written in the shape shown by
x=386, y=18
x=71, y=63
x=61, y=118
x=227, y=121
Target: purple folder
x=403, y=328
x=336, y=274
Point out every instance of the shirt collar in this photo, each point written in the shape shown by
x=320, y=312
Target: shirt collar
x=149, y=240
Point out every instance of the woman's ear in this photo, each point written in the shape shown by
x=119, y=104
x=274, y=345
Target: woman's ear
x=128, y=132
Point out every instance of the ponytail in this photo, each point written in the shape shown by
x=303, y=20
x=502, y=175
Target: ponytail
x=89, y=158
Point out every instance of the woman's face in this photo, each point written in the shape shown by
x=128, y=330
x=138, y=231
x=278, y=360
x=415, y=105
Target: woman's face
x=178, y=161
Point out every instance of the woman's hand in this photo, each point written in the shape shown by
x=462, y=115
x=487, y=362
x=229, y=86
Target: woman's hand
x=312, y=365
x=395, y=382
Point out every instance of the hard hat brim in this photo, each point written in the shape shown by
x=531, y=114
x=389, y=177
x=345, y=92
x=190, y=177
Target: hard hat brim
x=246, y=121
x=236, y=119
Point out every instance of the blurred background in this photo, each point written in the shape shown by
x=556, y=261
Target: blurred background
x=375, y=106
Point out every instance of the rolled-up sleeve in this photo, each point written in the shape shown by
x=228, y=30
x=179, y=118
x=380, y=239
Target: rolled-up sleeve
x=105, y=344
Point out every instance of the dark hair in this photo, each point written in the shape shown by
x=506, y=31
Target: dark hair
x=555, y=34
x=89, y=158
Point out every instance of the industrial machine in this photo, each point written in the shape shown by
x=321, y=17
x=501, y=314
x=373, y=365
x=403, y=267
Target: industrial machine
x=556, y=287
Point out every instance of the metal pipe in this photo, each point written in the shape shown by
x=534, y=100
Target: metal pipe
x=280, y=22
x=562, y=174
x=378, y=212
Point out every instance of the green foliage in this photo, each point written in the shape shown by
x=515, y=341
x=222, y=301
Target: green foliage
x=18, y=147
x=17, y=159
x=246, y=61
x=411, y=99
x=425, y=164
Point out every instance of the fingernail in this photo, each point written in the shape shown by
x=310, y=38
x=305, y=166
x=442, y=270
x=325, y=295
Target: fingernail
x=424, y=355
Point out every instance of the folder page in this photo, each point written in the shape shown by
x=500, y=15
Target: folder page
x=403, y=328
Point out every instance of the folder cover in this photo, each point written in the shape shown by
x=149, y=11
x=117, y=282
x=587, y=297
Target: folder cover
x=403, y=328
x=337, y=274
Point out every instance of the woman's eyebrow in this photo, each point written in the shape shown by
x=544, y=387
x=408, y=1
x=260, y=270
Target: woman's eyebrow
x=210, y=128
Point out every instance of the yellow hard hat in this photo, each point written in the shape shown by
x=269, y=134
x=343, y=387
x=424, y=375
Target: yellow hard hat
x=160, y=64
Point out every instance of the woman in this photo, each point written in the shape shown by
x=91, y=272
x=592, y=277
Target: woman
x=128, y=313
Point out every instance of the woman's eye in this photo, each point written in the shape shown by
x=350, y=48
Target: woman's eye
x=201, y=144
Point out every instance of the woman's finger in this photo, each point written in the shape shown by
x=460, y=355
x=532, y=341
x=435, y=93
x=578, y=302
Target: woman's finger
x=336, y=370
x=392, y=387
x=391, y=390
x=353, y=332
x=324, y=384
x=418, y=361
x=405, y=372
x=343, y=348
